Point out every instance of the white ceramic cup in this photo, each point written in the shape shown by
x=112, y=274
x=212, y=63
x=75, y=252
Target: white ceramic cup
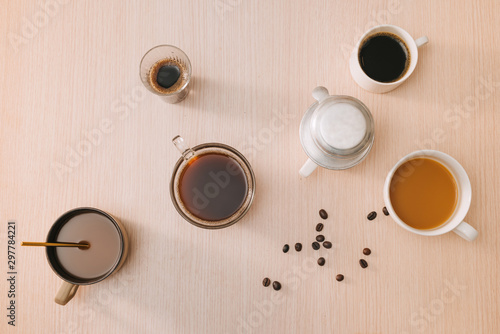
x=363, y=80
x=456, y=221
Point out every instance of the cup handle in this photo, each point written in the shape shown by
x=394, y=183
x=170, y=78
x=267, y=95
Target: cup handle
x=320, y=93
x=421, y=41
x=186, y=151
x=308, y=168
x=466, y=231
x=66, y=292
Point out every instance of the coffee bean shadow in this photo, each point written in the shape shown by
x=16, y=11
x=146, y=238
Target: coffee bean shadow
x=347, y=280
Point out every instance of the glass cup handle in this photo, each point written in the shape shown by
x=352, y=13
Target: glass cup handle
x=66, y=292
x=421, y=41
x=466, y=231
x=186, y=151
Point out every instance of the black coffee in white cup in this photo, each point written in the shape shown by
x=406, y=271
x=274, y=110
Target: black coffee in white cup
x=384, y=57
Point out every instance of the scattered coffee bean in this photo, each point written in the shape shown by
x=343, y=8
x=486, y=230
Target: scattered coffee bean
x=367, y=251
x=286, y=248
x=372, y=215
x=323, y=214
x=321, y=261
x=339, y=277
x=320, y=238
x=384, y=210
x=315, y=245
x=319, y=227
x=327, y=244
x=363, y=263
x=298, y=246
x=266, y=282
x=276, y=285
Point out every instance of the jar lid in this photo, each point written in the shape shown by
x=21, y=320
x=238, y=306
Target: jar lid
x=339, y=125
x=337, y=131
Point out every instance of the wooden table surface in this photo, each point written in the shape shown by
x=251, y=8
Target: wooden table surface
x=79, y=129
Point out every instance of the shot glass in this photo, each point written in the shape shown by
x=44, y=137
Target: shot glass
x=159, y=65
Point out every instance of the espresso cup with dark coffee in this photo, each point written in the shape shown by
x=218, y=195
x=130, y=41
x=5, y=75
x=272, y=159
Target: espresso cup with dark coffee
x=384, y=58
x=212, y=184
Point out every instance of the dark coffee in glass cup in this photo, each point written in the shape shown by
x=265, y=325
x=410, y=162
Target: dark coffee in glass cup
x=212, y=185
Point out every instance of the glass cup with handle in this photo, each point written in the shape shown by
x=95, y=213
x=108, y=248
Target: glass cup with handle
x=212, y=184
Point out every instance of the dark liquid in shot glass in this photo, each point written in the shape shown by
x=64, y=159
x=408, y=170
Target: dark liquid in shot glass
x=167, y=76
x=384, y=57
x=213, y=186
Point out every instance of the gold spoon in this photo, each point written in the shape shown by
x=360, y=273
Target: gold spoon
x=56, y=244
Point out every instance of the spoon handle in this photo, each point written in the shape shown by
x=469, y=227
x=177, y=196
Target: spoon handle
x=55, y=244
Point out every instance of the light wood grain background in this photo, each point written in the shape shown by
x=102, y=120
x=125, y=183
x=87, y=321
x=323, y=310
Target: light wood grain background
x=254, y=65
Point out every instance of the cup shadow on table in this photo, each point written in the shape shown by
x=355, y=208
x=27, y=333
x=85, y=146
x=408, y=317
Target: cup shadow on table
x=212, y=96
x=434, y=76
x=152, y=274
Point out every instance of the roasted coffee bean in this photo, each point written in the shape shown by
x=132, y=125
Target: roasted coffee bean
x=321, y=261
x=320, y=238
x=323, y=214
x=286, y=248
x=327, y=244
x=367, y=251
x=384, y=210
x=319, y=227
x=339, y=277
x=315, y=245
x=276, y=285
x=298, y=246
x=372, y=215
x=363, y=263
x=266, y=282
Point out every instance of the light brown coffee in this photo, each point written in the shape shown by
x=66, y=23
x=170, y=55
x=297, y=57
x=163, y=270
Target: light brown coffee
x=104, y=250
x=423, y=193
